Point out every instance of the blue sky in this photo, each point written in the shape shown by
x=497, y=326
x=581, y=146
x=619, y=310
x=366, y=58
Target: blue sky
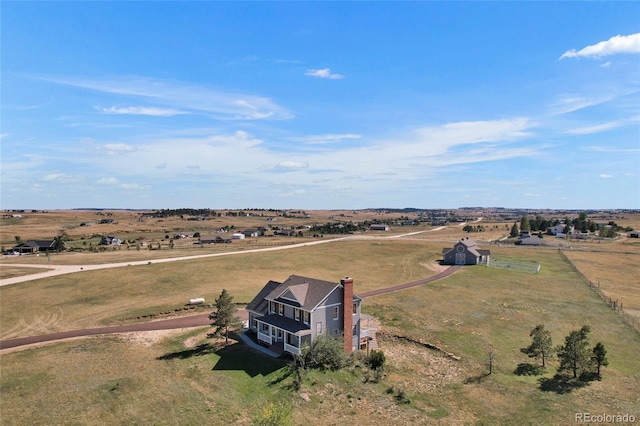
x=323, y=105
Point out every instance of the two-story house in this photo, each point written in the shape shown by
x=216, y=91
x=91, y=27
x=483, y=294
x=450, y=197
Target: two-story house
x=289, y=315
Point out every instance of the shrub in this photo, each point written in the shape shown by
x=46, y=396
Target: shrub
x=376, y=360
x=273, y=415
x=326, y=353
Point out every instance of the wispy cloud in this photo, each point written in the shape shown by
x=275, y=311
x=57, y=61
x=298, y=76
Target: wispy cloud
x=61, y=177
x=603, y=127
x=606, y=64
x=292, y=165
x=614, y=150
x=328, y=138
x=324, y=73
x=183, y=97
x=107, y=181
x=116, y=148
x=138, y=110
x=571, y=103
x=615, y=45
x=605, y=176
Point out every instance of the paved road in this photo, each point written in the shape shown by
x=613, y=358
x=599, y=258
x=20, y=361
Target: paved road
x=200, y=320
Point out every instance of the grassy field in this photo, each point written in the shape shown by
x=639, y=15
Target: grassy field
x=108, y=296
x=183, y=380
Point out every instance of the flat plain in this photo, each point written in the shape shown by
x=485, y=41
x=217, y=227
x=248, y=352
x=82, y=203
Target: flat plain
x=181, y=377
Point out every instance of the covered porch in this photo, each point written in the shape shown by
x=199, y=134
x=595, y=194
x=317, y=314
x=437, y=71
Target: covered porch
x=283, y=334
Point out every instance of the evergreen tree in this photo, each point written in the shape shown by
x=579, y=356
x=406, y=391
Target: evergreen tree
x=524, y=224
x=574, y=355
x=514, y=230
x=599, y=358
x=541, y=346
x=224, y=317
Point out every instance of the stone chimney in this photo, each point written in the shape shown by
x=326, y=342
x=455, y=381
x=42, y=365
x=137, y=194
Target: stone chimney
x=347, y=312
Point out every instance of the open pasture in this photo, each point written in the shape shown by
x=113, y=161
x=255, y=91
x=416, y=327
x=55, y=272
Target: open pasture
x=105, y=296
x=615, y=273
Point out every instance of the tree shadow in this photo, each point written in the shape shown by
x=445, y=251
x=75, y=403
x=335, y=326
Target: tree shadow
x=476, y=379
x=526, y=369
x=561, y=384
x=200, y=350
x=238, y=356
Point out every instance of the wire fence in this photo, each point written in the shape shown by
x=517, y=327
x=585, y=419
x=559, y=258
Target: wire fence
x=614, y=304
x=515, y=265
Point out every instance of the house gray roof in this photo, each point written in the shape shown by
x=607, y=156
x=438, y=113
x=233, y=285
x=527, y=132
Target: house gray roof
x=301, y=292
x=305, y=293
x=470, y=245
x=285, y=323
x=259, y=304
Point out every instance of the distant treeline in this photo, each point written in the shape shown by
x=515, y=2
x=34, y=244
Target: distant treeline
x=182, y=212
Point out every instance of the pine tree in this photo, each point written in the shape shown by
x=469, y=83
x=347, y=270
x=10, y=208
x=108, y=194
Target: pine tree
x=574, y=356
x=514, y=230
x=599, y=357
x=224, y=317
x=524, y=224
x=541, y=346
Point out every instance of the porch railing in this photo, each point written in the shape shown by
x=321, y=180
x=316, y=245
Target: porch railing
x=264, y=337
x=291, y=349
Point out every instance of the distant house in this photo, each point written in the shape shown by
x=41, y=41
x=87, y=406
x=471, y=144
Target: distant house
x=526, y=239
x=110, y=240
x=289, y=315
x=251, y=232
x=379, y=227
x=182, y=235
x=238, y=236
x=214, y=240
x=633, y=234
x=106, y=221
x=36, y=246
x=555, y=230
x=465, y=252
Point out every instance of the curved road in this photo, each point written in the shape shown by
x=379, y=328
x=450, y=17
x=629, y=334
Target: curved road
x=200, y=320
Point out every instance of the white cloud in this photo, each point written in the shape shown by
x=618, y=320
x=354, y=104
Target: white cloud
x=324, y=73
x=59, y=177
x=609, y=149
x=605, y=176
x=133, y=186
x=293, y=165
x=185, y=97
x=571, y=103
x=107, y=181
x=115, y=148
x=615, y=45
x=3, y=135
x=603, y=127
x=138, y=110
x=606, y=64
x=328, y=138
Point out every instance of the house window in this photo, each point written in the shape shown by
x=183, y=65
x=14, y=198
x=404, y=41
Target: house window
x=272, y=307
x=335, y=312
x=355, y=308
x=307, y=317
x=281, y=309
x=297, y=314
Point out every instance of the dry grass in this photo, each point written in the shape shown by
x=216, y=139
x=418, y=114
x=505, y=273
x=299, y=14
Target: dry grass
x=615, y=273
x=112, y=379
x=100, y=297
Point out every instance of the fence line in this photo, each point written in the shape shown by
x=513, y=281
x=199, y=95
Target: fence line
x=616, y=305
